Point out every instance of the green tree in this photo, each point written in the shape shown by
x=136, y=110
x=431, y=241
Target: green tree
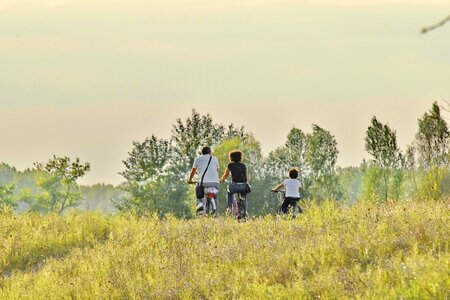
x=410, y=166
x=276, y=164
x=433, y=139
x=100, y=197
x=433, y=144
x=381, y=144
x=148, y=160
x=291, y=154
x=296, y=145
x=58, y=178
x=7, y=173
x=188, y=136
x=320, y=159
x=350, y=181
x=152, y=180
x=7, y=185
x=7, y=195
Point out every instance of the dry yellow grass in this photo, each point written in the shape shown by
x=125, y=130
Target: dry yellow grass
x=376, y=251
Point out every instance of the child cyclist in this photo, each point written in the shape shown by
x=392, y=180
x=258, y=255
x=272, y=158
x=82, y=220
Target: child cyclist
x=293, y=187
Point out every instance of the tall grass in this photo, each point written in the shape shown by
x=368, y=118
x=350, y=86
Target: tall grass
x=381, y=251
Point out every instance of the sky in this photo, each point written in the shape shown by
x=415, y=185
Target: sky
x=87, y=78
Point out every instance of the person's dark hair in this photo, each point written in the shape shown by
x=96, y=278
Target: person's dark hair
x=206, y=150
x=293, y=173
x=235, y=155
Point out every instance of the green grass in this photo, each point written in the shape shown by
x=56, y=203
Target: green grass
x=377, y=251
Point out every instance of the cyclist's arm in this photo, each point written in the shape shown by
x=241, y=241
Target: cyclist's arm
x=278, y=187
x=192, y=174
x=225, y=175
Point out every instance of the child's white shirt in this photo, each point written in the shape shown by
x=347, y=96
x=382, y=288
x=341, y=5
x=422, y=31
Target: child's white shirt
x=292, y=187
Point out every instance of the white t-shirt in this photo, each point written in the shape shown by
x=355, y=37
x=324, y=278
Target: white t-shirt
x=292, y=187
x=212, y=174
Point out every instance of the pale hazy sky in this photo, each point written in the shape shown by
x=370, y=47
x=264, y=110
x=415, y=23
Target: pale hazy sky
x=87, y=78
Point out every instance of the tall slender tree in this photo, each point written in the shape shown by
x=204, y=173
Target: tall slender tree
x=433, y=145
x=433, y=139
x=381, y=144
x=321, y=157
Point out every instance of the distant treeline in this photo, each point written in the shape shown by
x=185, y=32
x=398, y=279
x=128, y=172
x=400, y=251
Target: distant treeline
x=156, y=169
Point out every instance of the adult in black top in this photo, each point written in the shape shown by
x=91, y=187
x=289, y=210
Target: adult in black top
x=238, y=172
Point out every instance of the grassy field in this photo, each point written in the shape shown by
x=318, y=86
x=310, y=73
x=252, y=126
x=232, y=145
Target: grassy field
x=376, y=251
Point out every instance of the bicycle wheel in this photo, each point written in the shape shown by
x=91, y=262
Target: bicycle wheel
x=211, y=207
x=201, y=208
x=242, y=208
x=279, y=210
x=234, y=208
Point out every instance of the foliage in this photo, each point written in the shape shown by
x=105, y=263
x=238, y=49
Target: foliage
x=387, y=161
x=350, y=181
x=7, y=195
x=195, y=132
x=7, y=186
x=433, y=139
x=381, y=143
x=320, y=157
x=295, y=147
x=434, y=183
x=147, y=160
x=58, y=178
x=315, y=154
x=292, y=154
x=365, y=251
x=152, y=181
x=432, y=146
x=148, y=166
x=100, y=197
x=155, y=170
x=7, y=173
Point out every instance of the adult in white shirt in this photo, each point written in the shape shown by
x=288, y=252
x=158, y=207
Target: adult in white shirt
x=211, y=177
x=292, y=187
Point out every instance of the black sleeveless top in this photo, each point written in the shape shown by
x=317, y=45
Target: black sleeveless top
x=238, y=172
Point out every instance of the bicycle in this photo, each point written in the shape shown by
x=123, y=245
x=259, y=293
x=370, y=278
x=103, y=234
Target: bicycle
x=238, y=208
x=293, y=207
x=209, y=203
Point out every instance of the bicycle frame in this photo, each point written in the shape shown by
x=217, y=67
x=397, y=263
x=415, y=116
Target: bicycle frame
x=210, y=207
x=238, y=209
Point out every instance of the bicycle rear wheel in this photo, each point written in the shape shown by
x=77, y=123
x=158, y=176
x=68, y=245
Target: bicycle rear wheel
x=242, y=207
x=234, y=208
x=211, y=207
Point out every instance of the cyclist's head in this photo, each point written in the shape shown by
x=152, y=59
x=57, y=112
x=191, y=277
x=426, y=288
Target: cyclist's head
x=293, y=173
x=235, y=155
x=206, y=150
